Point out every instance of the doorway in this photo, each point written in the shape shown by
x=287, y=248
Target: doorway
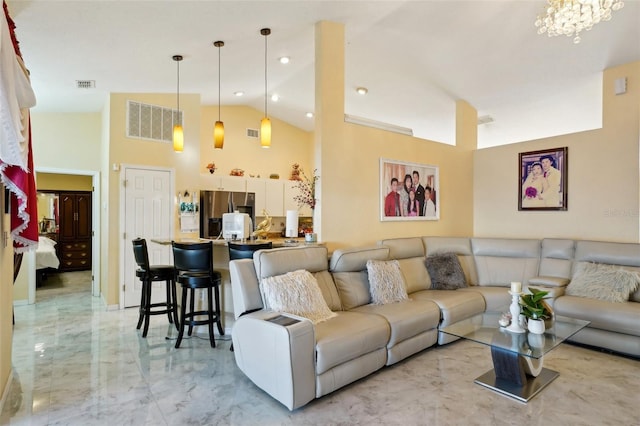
x=95, y=226
x=146, y=212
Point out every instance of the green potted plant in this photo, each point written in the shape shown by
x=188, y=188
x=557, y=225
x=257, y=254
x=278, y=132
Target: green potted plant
x=535, y=309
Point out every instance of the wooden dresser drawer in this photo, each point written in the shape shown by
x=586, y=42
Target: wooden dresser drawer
x=67, y=264
x=75, y=255
x=75, y=246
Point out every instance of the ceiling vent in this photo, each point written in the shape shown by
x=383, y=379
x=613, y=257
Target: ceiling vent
x=85, y=84
x=485, y=119
x=253, y=133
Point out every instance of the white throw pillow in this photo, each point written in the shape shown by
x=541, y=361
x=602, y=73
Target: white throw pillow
x=296, y=293
x=604, y=282
x=386, y=283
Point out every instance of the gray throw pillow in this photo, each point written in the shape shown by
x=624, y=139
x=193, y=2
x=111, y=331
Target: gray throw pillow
x=445, y=271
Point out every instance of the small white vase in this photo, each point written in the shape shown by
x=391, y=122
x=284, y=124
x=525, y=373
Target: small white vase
x=535, y=326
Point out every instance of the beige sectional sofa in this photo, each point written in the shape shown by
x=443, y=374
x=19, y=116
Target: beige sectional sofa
x=296, y=361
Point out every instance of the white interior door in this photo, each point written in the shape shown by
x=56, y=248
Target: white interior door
x=147, y=214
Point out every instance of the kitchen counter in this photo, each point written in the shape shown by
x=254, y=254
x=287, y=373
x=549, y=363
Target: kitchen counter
x=277, y=242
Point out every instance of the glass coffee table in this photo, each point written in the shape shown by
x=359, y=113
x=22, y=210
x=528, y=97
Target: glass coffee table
x=517, y=357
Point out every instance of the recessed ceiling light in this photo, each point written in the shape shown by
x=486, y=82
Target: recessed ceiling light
x=275, y=98
x=362, y=90
x=239, y=93
x=284, y=60
x=309, y=115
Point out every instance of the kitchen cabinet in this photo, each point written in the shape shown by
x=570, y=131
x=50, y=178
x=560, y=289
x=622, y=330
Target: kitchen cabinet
x=258, y=187
x=75, y=233
x=274, y=197
x=290, y=191
x=223, y=183
x=269, y=196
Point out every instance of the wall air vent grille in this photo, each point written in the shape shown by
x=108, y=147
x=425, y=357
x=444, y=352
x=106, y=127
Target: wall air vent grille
x=85, y=84
x=151, y=122
x=253, y=133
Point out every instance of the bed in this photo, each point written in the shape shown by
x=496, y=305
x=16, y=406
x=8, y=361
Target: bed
x=45, y=258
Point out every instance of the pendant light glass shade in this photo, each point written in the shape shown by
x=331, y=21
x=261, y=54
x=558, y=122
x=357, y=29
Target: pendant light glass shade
x=178, y=138
x=265, y=124
x=265, y=133
x=218, y=128
x=178, y=135
x=218, y=135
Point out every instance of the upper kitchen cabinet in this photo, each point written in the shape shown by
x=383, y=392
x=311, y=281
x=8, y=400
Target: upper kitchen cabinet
x=217, y=182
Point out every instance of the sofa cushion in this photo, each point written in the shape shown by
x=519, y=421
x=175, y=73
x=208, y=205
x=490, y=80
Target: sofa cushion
x=314, y=259
x=348, y=336
x=495, y=298
x=604, y=282
x=353, y=288
x=406, y=319
x=499, y=261
x=624, y=319
x=386, y=283
x=296, y=293
x=454, y=305
x=445, y=272
x=415, y=274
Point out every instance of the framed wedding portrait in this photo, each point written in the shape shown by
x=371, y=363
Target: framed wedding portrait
x=542, y=183
x=408, y=191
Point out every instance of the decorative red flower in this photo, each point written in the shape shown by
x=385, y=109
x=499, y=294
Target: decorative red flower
x=531, y=192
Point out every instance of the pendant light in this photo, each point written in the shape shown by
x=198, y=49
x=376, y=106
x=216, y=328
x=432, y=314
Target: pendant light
x=265, y=124
x=178, y=135
x=218, y=128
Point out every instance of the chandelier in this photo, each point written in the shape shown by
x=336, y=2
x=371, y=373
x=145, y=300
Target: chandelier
x=569, y=17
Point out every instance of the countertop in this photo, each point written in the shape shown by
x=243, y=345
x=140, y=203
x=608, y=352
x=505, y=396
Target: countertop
x=277, y=242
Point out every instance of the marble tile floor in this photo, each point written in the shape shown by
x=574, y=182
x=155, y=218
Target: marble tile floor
x=77, y=364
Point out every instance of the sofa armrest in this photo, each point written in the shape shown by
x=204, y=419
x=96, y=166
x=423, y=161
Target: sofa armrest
x=549, y=281
x=280, y=359
x=245, y=288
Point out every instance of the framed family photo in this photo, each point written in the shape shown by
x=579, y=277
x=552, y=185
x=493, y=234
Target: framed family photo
x=408, y=191
x=542, y=183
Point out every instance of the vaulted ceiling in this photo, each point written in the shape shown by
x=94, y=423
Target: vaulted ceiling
x=415, y=57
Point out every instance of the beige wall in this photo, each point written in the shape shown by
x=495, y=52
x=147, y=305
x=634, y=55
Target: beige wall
x=603, y=201
x=289, y=144
x=63, y=182
x=349, y=157
x=66, y=140
x=6, y=299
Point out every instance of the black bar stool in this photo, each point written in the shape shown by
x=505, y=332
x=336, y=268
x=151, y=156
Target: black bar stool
x=148, y=274
x=194, y=270
x=245, y=251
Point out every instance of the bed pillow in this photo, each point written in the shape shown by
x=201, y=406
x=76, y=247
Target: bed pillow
x=445, y=271
x=604, y=282
x=386, y=283
x=296, y=293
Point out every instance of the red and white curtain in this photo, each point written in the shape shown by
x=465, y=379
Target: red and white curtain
x=16, y=157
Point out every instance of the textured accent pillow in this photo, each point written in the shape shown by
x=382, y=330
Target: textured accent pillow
x=296, y=293
x=386, y=283
x=445, y=271
x=604, y=282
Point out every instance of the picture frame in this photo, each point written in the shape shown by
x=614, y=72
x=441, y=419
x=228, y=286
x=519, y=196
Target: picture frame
x=398, y=204
x=542, y=179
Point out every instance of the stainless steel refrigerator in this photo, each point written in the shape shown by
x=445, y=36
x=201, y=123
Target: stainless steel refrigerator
x=213, y=204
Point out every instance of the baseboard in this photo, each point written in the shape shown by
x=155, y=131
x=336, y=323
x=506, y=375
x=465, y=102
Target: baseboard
x=108, y=307
x=5, y=391
x=22, y=302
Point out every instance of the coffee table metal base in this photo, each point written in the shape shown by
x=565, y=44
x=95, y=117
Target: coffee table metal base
x=522, y=393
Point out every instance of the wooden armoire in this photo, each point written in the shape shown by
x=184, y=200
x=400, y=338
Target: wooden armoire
x=74, y=235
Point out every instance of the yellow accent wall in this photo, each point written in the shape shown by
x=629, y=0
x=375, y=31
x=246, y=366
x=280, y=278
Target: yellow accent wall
x=289, y=144
x=66, y=140
x=6, y=300
x=603, y=177
x=63, y=182
x=348, y=155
